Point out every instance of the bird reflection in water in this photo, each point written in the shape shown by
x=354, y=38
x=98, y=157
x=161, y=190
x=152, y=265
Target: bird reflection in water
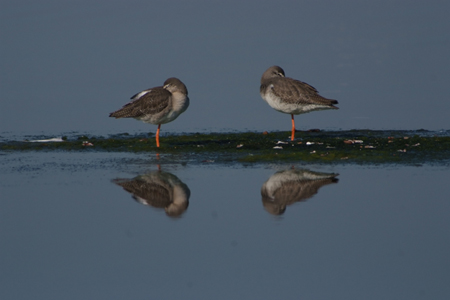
x=290, y=186
x=158, y=189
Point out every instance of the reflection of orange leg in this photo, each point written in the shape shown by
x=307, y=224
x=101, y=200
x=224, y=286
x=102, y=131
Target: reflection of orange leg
x=293, y=128
x=157, y=135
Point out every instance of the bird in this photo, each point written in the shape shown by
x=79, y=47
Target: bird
x=291, y=96
x=287, y=187
x=158, y=105
x=158, y=189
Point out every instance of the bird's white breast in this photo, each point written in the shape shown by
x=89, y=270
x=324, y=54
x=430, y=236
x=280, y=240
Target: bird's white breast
x=180, y=102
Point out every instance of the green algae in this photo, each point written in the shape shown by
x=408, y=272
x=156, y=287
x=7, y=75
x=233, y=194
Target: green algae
x=360, y=146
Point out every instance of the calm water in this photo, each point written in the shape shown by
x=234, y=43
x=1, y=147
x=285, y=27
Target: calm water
x=69, y=231
x=65, y=65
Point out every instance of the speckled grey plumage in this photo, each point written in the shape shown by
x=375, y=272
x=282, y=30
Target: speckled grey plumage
x=289, y=95
x=290, y=186
x=158, y=189
x=158, y=105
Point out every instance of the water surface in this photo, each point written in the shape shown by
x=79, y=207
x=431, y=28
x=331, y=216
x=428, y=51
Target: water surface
x=69, y=231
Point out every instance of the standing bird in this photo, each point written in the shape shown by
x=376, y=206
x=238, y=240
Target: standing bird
x=291, y=96
x=158, y=105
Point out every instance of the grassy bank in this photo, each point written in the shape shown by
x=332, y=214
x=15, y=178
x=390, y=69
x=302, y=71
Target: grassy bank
x=361, y=146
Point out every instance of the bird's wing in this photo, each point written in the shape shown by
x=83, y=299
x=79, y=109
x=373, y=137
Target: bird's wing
x=148, y=102
x=300, y=190
x=296, y=91
x=151, y=193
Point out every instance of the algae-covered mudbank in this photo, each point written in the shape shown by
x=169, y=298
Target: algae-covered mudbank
x=319, y=146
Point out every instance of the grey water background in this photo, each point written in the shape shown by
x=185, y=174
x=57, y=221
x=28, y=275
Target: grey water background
x=65, y=65
x=69, y=232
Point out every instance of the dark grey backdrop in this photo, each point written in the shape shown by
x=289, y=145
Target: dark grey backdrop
x=66, y=64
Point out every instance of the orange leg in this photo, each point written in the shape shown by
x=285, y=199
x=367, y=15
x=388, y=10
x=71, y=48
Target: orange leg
x=293, y=128
x=157, y=135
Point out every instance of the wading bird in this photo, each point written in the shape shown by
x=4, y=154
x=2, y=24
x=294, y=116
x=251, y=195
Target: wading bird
x=291, y=96
x=158, y=105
